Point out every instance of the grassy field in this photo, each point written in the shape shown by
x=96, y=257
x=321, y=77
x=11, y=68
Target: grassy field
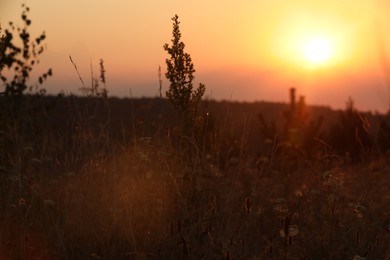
x=103, y=178
x=81, y=192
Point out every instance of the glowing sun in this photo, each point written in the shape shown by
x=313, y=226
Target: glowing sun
x=317, y=50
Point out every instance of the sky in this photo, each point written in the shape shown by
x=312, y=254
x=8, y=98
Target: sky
x=248, y=50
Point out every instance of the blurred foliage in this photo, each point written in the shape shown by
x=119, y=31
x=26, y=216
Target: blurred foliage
x=383, y=138
x=298, y=131
x=351, y=135
x=297, y=139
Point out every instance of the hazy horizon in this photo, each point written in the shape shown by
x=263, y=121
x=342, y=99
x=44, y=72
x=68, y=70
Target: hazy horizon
x=246, y=52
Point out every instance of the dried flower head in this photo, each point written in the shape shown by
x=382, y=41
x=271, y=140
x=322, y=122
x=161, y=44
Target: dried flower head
x=292, y=231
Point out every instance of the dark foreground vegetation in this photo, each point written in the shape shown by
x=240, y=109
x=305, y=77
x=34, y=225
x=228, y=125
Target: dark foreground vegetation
x=111, y=179
x=104, y=178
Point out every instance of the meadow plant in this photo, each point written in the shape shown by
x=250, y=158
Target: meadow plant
x=294, y=142
x=87, y=130
x=20, y=110
x=180, y=70
x=22, y=127
x=298, y=131
x=21, y=59
x=352, y=135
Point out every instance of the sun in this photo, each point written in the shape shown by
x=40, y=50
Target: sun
x=317, y=50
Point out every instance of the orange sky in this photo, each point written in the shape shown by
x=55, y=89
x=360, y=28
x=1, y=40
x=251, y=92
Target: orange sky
x=248, y=50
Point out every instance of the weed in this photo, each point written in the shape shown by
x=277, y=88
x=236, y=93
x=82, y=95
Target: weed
x=180, y=70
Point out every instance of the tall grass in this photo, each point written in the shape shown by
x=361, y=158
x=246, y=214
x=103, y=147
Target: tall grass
x=78, y=192
x=139, y=200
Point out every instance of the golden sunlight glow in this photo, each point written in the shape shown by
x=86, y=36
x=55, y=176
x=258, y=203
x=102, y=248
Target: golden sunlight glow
x=317, y=50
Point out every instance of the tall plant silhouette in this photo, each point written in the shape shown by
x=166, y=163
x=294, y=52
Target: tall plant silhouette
x=298, y=130
x=180, y=72
x=22, y=119
x=21, y=59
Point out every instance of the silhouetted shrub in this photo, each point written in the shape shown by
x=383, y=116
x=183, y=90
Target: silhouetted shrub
x=351, y=135
x=298, y=131
x=21, y=59
x=22, y=111
x=180, y=70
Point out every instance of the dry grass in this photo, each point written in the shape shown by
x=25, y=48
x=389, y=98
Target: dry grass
x=143, y=204
x=81, y=194
x=86, y=196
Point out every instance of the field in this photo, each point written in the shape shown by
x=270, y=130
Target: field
x=182, y=177
x=95, y=178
